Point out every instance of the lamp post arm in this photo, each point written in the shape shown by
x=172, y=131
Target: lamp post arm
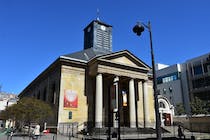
x=145, y=25
x=138, y=29
x=158, y=128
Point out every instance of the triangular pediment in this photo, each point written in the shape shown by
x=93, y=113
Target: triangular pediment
x=124, y=58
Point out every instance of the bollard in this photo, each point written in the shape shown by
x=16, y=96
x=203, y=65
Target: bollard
x=54, y=137
x=72, y=130
x=192, y=137
x=11, y=135
x=69, y=135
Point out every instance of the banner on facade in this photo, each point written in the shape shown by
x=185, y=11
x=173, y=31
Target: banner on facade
x=124, y=95
x=70, y=99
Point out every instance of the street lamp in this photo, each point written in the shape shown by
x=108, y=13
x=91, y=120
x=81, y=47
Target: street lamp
x=138, y=29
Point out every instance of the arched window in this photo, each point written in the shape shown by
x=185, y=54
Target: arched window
x=45, y=94
x=162, y=105
x=53, y=99
x=39, y=95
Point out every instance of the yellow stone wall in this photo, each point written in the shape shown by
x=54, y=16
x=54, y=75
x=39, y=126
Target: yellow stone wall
x=140, y=106
x=73, y=80
x=151, y=103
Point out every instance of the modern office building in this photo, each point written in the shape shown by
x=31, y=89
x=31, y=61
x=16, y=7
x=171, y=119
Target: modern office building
x=198, y=73
x=179, y=84
x=170, y=88
x=92, y=86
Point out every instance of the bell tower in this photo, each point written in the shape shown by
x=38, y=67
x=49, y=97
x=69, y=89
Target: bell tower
x=98, y=35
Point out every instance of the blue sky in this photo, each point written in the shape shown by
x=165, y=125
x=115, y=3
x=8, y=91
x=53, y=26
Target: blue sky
x=33, y=33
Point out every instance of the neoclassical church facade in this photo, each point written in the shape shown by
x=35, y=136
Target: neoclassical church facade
x=97, y=87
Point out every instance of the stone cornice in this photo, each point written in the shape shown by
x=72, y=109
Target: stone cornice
x=121, y=72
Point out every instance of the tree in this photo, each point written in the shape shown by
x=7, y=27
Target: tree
x=28, y=110
x=198, y=106
x=180, y=109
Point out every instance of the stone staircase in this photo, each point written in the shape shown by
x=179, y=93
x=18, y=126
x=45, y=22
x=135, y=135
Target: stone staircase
x=174, y=130
x=123, y=130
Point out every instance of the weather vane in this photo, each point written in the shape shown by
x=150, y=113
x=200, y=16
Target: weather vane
x=97, y=18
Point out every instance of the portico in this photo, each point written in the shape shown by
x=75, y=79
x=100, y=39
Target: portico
x=116, y=82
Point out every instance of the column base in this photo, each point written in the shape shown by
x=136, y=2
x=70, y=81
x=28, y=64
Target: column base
x=132, y=124
x=98, y=124
x=149, y=125
x=115, y=124
x=141, y=124
x=146, y=124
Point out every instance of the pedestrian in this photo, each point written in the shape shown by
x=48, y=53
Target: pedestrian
x=36, y=132
x=180, y=133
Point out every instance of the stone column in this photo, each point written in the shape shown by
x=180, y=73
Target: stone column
x=116, y=82
x=99, y=101
x=132, y=106
x=146, y=107
x=140, y=105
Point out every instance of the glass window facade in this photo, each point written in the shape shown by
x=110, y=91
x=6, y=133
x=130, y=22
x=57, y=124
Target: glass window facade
x=168, y=78
x=197, y=70
x=201, y=82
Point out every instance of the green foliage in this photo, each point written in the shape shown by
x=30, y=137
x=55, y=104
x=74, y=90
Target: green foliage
x=28, y=110
x=199, y=107
x=180, y=109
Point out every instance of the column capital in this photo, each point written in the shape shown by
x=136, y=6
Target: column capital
x=99, y=73
x=116, y=79
x=140, y=80
x=131, y=79
x=145, y=80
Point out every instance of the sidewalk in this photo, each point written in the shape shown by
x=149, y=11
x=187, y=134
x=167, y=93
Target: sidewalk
x=51, y=136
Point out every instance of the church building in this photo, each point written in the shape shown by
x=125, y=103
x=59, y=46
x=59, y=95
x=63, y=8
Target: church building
x=96, y=87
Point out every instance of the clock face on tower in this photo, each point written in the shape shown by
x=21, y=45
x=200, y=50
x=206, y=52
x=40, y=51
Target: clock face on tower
x=98, y=35
x=103, y=28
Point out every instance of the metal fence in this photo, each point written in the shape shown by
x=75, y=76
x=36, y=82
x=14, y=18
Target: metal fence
x=75, y=131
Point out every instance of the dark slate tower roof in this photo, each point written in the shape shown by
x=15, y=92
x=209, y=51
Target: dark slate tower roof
x=97, y=41
x=98, y=35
